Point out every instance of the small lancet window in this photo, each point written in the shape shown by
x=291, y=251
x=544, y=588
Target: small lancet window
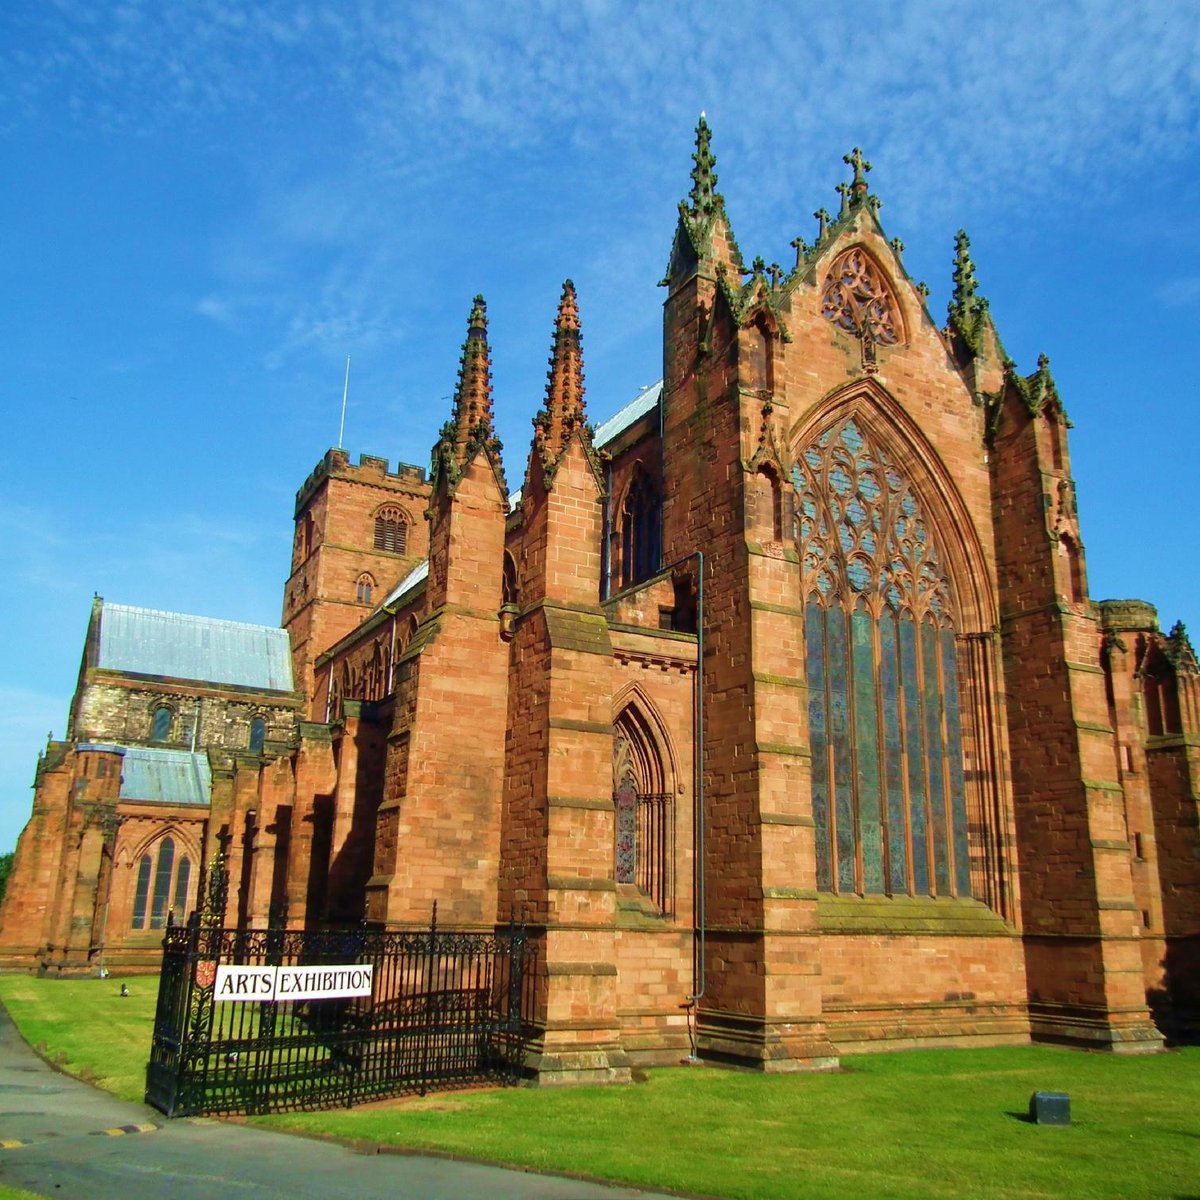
x=364, y=589
x=258, y=735
x=856, y=296
x=391, y=530
x=160, y=725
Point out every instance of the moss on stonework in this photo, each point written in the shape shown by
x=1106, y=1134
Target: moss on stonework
x=908, y=915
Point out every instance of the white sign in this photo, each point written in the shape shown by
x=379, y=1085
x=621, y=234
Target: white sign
x=280, y=984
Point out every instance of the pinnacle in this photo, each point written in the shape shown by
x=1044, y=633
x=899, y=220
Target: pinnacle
x=704, y=179
x=471, y=425
x=966, y=308
x=563, y=411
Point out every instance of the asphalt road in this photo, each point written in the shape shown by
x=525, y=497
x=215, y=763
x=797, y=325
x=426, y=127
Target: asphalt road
x=53, y=1141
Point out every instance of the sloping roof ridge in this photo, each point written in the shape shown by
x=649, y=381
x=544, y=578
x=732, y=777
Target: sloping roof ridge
x=415, y=576
x=109, y=606
x=641, y=404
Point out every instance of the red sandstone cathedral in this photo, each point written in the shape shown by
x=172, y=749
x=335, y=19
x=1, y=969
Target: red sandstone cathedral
x=776, y=703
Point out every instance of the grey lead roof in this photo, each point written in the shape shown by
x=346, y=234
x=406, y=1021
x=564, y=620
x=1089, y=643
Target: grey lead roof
x=641, y=404
x=147, y=642
x=164, y=776
x=170, y=776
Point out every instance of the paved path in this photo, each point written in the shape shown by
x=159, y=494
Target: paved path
x=65, y=1153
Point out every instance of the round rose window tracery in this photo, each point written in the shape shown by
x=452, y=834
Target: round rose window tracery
x=856, y=297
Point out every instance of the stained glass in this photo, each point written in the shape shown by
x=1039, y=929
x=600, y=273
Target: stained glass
x=888, y=788
x=839, y=729
x=814, y=617
x=914, y=726
x=889, y=695
x=141, y=892
x=162, y=884
x=182, y=879
x=962, y=861
x=626, y=800
x=870, y=816
x=936, y=756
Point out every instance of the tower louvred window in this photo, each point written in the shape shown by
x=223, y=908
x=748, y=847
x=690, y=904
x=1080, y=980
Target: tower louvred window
x=856, y=296
x=391, y=531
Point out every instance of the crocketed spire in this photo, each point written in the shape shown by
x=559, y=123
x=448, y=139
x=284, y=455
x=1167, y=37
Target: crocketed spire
x=704, y=179
x=471, y=425
x=563, y=411
x=967, y=308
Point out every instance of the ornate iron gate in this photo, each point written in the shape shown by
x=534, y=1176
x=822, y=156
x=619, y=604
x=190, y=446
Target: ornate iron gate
x=443, y=1008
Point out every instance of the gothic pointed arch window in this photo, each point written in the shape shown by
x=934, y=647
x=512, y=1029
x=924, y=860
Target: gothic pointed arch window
x=391, y=530
x=162, y=885
x=638, y=536
x=644, y=847
x=881, y=654
x=364, y=588
x=856, y=298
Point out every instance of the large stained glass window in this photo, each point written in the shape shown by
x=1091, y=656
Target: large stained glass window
x=887, y=773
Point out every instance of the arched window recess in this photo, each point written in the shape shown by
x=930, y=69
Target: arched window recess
x=886, y=722
x=637, y=534
x=162, y=884
x=644, y=850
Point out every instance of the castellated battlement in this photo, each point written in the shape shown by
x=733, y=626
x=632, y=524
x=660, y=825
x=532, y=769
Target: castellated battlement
x=370, y=469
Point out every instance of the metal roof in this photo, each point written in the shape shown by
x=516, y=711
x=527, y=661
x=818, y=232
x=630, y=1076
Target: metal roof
x=415, y=576
x=147, y=642
x=169, y=776
x=639, y=406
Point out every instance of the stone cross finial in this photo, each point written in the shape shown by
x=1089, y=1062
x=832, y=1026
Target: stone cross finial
x=861, y=166
x=823, y=219
x=897, y=246
x=775, y=271
x=843, y=190
x=801, y=248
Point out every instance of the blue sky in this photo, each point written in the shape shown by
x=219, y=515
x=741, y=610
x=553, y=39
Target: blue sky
x=208, y=206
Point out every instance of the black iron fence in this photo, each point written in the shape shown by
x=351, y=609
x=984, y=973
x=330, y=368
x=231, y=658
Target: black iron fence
x=256, y=1021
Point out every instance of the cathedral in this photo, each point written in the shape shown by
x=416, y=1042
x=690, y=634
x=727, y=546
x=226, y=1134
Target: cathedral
x=775, y=706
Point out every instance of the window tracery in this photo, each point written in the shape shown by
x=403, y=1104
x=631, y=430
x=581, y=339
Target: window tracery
x=644, y=848
x=857, y=296
x=161, y=887
x=888, y=785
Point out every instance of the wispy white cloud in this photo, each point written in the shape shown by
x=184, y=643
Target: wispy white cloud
x=1180, y=293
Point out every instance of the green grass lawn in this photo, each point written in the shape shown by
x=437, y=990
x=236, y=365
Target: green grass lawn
x=86, y=1027
x=928, y=1124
